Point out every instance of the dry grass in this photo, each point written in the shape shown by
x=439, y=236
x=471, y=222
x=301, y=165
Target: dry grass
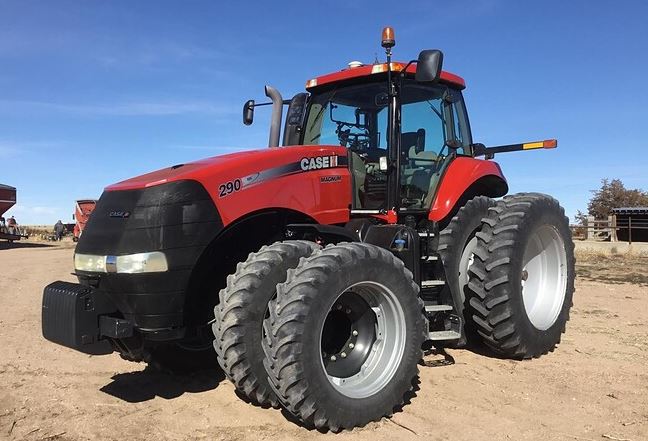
x=603, y=267
x=38, y=230
x=589, y=254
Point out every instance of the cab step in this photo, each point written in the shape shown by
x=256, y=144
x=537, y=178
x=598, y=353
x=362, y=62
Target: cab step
x=444, y=335
x=429, y=258
x=425, y=234
x=437, y=308
x=431, y=283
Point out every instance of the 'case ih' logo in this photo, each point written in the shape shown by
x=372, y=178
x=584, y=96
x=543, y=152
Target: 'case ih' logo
x=319, y=162
x=119, y=214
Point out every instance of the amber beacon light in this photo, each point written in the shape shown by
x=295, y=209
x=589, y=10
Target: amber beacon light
x=388, y=40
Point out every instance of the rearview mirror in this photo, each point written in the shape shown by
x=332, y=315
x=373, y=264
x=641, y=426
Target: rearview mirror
x=248, y=112
x=428, y=65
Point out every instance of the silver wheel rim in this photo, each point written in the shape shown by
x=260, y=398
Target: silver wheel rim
x=381, y=354
x=465, y=262
x=544, y=277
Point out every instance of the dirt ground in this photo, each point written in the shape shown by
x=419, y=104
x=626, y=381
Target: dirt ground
x=593, y=387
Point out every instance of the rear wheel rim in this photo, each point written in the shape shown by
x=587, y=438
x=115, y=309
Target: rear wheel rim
x=465, y=262
x=362, y=340
x=544, y=277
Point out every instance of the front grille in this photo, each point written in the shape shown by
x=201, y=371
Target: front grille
x=177, y=218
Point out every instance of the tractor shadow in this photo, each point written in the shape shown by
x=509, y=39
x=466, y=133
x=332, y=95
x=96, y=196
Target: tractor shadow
x=484, y=351
x=438, y=357
x=145, y=385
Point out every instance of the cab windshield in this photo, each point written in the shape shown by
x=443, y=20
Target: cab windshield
x=355, y=117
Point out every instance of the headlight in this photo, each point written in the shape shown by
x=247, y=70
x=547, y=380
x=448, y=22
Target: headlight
x=153, y=262
x=87, y=262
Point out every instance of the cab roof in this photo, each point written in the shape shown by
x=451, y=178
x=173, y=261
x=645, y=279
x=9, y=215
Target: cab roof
x=372, y=69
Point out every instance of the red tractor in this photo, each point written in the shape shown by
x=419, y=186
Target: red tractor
x=324, y=265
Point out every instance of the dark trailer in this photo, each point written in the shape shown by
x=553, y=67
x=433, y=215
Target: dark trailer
x=631, y=224
x=8, y=200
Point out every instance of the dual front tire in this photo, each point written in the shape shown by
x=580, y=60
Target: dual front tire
x=357, y=362
x=238, y=318
x=339, y=340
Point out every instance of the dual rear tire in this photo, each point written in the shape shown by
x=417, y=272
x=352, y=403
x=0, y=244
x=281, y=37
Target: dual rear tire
x=522, y=278
x=510, y=270
x=457, y=243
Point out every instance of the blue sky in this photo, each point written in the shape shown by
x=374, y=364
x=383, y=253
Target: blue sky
x=93, y=92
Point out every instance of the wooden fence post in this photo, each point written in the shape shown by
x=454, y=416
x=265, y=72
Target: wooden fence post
x=613, y=228
x=589, y=231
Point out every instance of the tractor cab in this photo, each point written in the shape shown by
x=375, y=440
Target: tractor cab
x=431, y=128
x=402, y=123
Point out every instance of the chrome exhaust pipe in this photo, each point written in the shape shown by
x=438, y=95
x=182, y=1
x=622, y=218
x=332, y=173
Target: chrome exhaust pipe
x=275, y=119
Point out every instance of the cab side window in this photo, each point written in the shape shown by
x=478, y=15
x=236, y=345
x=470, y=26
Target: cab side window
x=461, y=127
x=423, y=141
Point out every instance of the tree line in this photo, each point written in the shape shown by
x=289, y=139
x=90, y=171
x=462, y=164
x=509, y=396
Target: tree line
x=612, y=194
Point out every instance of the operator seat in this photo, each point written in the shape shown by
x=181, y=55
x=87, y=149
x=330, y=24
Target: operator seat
x=418, y=170
x=358, y=176
x=369, y=182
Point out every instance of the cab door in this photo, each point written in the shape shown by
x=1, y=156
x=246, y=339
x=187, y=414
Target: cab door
x=432, y=135
x=355, y=117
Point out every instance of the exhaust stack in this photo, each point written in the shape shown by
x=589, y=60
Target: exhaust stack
x=275, y=119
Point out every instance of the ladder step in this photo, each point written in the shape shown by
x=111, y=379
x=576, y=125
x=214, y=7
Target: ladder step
x=437, y=308
x=430, y=283
x=429, y=258
x=444, y=335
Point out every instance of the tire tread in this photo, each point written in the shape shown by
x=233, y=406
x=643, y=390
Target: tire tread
x=230, y=316
x=490, y=302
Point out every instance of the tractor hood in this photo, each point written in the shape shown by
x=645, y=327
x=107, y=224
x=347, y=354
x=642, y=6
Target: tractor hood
x=189, y=170
x=233, y=165
x=277, y=177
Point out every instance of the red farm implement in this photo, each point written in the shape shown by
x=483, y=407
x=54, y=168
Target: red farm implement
x=8, y=229
x=82, y=211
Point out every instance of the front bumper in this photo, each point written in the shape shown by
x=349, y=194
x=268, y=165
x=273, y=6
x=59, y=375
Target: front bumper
x=87, y=320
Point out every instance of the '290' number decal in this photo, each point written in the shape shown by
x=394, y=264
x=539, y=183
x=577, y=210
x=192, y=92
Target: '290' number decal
x=229, y=187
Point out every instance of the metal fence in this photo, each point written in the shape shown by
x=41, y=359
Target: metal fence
x=626, y=228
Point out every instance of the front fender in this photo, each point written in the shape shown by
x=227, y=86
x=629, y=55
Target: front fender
x=467, y=177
